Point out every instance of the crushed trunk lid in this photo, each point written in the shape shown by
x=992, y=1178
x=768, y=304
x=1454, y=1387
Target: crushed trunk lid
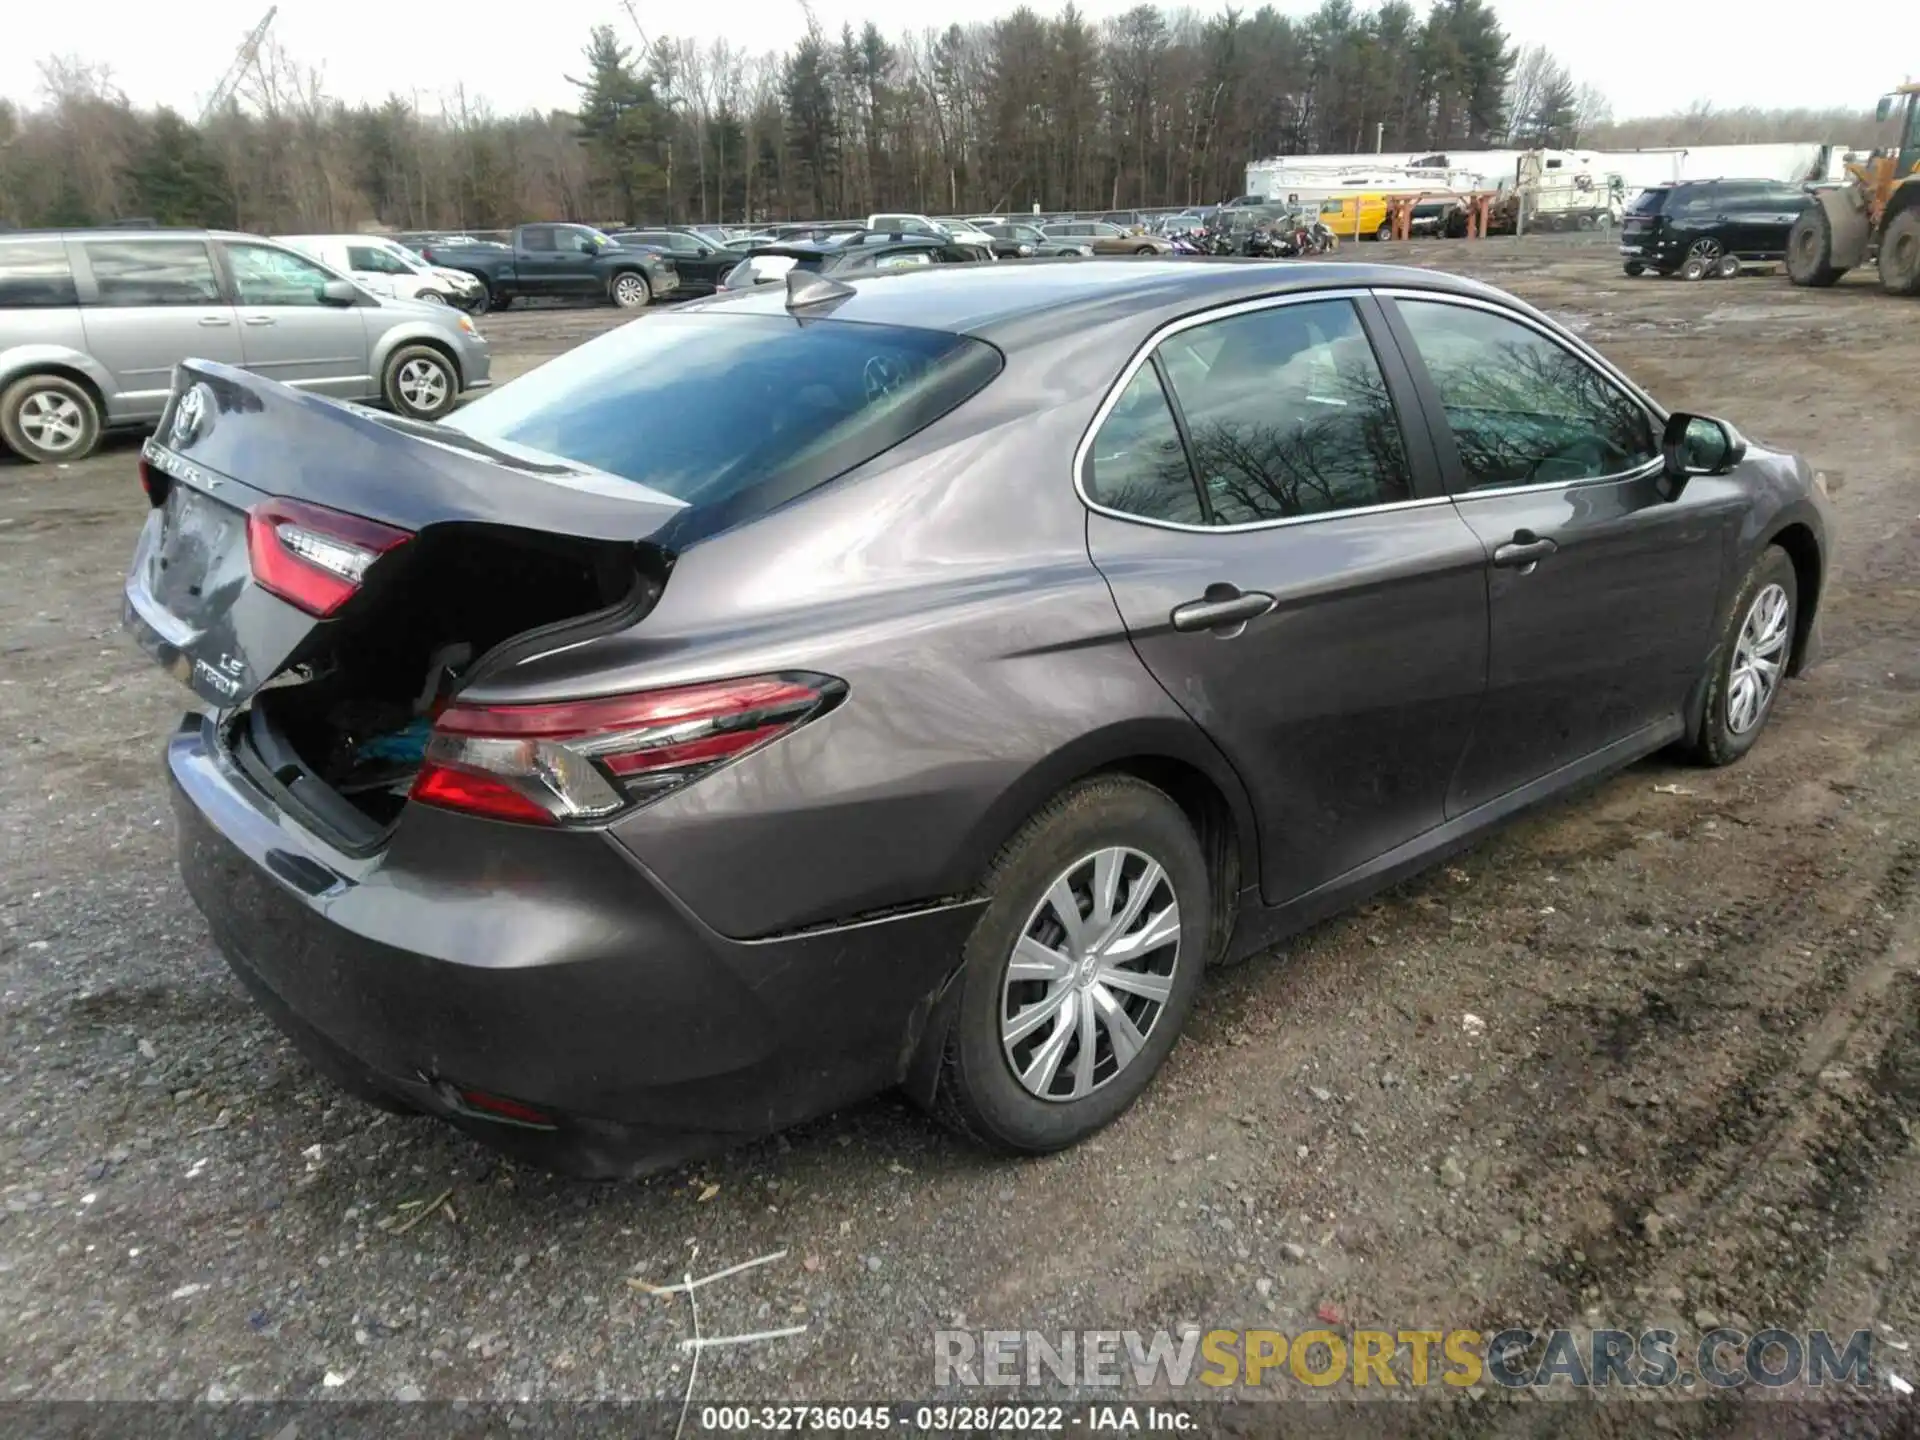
x=231, y=444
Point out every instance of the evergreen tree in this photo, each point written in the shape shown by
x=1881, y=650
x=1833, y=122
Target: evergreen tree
x=173, y=178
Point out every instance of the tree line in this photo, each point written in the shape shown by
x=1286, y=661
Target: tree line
x=1152, y=107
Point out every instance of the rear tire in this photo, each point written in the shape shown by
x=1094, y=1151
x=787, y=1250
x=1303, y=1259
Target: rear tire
x=629, y=290
x=420, y=382
x=1634, y=268
x=1756, y=630
x=1728, y=268
x=498, y=301
x=1108, y=828
x=1900, y=254
x=1810, y=250
x=1694, y=269
x=49, y=419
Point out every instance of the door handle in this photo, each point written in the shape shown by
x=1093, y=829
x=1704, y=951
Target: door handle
x=259, y=320
x=1524, y=551
x=215, y=320
x=1224, y=608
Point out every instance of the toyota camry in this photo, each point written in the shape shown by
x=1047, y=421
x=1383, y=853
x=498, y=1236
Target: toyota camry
x=916, y=680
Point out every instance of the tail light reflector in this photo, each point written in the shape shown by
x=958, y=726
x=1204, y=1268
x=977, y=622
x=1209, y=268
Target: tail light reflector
x=311, y=556
x=578, y=761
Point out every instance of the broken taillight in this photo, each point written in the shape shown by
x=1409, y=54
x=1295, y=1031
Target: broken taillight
x=575, y=761
x=311, y=556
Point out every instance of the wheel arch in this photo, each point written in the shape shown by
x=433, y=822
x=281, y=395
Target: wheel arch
x=1169, y=755
x=394, y=342
x=1172, y=756
x=1809, y=575
x=37, y=360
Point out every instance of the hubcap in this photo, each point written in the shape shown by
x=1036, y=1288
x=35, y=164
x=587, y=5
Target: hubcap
x=423, y=385
x=52, y=420
x=1090, y=975
x=1759, y=656
x=628, y=290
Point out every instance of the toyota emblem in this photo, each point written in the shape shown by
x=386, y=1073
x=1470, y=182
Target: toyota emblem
x=189, y=416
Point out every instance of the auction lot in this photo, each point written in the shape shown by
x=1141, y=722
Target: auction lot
x=1691, y=1095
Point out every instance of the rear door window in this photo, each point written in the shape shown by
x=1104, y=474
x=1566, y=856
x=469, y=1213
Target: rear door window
x=1288, y=414
x=152, y=272
x=1137, y=464
x=734, y=413
x=1649, y=202
x=35, y=275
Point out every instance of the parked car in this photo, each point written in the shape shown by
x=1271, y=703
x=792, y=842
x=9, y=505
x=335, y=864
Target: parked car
x=1708, y=222
x=388, y=268
x=1108, y=239
x=554, y=261
x=700, y=263
x=864, y=251
x=1018, y=242
x=960, y=232
x=92, y=323
x=1019, y=701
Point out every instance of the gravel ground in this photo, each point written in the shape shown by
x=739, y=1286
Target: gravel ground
x=1693, y=1093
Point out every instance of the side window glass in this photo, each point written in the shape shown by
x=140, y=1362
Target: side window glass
x=537, y=237
x=265, y=276
x=1523, y=409
x=1137, y=464
x=34, y=274
x=153, y=272
x=1288, y=414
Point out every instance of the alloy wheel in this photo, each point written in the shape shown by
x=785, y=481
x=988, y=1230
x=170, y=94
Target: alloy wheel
x=422, y=385
x=52, y=420
x=1090, y=975
x=630, y=291
x=1705, y=249
x=1759, y=659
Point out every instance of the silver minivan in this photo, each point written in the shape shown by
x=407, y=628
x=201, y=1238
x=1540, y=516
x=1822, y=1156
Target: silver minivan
x=92, y=323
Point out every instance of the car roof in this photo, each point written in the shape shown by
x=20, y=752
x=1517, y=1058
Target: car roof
x=130, y=232
x=984, y=299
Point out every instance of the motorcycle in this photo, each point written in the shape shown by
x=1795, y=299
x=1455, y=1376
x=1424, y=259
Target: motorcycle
x=1187, y=243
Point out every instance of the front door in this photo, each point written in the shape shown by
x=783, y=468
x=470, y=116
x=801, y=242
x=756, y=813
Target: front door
x=1290, y=573
x=1601, y=593
x=290, y=332
x=146, y=306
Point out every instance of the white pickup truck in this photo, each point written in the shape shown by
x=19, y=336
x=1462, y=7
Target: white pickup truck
x=387, y=267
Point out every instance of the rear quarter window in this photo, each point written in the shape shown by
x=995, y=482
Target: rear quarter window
x=734, y=414
x=35, y=275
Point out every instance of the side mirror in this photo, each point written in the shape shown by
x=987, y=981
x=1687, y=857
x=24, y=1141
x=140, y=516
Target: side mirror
x=1698, y=445
x=1884, y=110
x=339, y=292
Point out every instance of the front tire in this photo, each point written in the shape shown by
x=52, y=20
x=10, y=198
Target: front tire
x=1081, y=971
x=1900, y=254
x=1810, y=250
x=1750, y=664
x=49, y=419
x=630, y=290
x=1635, y=269
x=420, y=383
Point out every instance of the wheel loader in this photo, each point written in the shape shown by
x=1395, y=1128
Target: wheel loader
x=1876, y=210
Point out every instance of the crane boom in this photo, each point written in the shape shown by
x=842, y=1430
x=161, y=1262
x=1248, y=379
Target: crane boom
x=245, y=56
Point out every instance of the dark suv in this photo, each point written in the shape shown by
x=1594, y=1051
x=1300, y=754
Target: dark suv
x=1716, y=223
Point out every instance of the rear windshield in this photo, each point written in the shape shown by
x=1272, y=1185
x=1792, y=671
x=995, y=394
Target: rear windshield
x=1649, y=202
x=734, y=414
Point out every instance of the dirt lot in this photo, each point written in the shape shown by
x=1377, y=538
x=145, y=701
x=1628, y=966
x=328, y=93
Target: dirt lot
x=1696, y=1096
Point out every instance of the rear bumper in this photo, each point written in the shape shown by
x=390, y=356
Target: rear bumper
x=548, y=968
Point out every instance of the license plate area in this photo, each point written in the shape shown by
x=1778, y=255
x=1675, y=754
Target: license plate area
x=200, y=562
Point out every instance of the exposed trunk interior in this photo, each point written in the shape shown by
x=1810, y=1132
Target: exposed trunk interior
x=340, y=735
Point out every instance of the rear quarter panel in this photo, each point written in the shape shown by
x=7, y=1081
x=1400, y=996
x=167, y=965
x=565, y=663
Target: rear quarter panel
x=949, y=585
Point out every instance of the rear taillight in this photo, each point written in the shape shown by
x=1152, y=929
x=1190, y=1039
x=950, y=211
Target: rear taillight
x=311, y=556
x=576, y=761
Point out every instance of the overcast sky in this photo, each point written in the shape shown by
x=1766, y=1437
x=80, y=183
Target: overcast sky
x=1648, y=56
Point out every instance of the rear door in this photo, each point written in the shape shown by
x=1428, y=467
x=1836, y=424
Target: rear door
x=1291, y=572
x=1601, y=594
x=539, y=265
x=146, y=305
